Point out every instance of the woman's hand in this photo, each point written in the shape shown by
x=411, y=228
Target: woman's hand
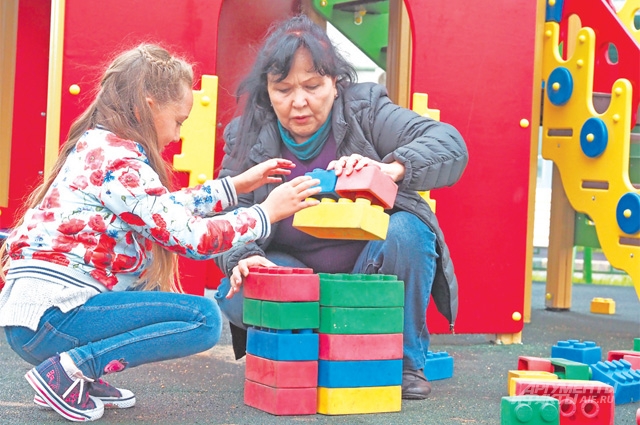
x=356, y=162
x=291, y=197
x=268, y=171
x=241, y=271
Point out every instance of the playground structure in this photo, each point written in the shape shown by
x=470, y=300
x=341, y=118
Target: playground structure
x=484, y=78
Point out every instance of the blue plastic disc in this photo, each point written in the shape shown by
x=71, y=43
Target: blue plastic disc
x=595, y=129
x=628, y=213
x=562, y=94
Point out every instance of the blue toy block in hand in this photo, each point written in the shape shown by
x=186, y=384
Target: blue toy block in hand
x=328, y=180
x=438, y=366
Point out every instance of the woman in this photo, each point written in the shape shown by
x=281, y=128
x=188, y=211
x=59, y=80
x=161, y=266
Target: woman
x=105, y=221
x=302, y=104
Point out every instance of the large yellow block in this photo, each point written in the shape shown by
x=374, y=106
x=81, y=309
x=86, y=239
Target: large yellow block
x=527, y=374
x=353, y=401
x=343, y=219
x=603, y=306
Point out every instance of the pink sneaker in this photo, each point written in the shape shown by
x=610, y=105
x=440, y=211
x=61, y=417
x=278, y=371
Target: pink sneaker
x=112, y=397
x=68, y=396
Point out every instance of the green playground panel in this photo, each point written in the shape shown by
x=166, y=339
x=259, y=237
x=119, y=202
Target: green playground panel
x=568, y=369
x=361, y=290
x=371, y=34
x=346, y=320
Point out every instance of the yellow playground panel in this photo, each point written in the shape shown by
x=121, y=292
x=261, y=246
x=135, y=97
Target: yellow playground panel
x=591, y=149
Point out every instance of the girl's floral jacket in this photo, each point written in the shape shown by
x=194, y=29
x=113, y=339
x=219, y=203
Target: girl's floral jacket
x=107, y=206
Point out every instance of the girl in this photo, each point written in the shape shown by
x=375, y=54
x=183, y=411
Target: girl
x=105, y=221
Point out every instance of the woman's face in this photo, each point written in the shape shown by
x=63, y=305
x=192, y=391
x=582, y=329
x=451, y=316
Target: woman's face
x=168, y=118
x=303, y=100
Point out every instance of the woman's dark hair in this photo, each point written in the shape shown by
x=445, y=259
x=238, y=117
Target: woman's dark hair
x=275, y=58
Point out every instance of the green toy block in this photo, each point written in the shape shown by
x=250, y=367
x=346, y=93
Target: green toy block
x=300, y=315
x=361, y=290
x=530, y=410
x=252, y=312
x=382, y=320
x=636, y=344
x=277, y=315
x=568, y=369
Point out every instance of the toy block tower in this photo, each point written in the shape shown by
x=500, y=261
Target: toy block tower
x=281, y=307
x=357, y=214
x=360, y=343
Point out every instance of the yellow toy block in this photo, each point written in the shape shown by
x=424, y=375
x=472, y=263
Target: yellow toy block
x=527, y=374
x=603, y=306
x=354, y=401
x=591, y=149
x=344, y=219
x=198, y=134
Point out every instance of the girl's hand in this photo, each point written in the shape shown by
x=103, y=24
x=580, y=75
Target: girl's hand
x=268, y=171
x=291, y=197
x=356, y=162
x=241, y=271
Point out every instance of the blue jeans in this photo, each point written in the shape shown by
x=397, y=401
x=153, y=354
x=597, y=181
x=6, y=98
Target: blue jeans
x=408, y=252
x=129, y=328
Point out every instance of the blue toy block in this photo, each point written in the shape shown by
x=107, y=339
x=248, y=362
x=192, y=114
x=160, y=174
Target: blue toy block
x=327, y=185
x=586, y=352
x=624, y=380
x=363, y=373
x=438, y=366
x=283, y=344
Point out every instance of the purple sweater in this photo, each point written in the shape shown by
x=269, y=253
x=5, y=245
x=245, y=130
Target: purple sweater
x=322, y=255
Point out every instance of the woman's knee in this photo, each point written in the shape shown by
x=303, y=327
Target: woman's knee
x=407, y=230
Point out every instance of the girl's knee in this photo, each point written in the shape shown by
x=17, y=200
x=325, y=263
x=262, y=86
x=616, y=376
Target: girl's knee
x=212, y=322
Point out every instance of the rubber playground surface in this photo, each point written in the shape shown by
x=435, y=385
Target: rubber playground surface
x=208, y=388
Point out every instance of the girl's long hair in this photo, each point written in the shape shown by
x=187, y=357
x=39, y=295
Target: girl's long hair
x=120, y=106
x=275, y=58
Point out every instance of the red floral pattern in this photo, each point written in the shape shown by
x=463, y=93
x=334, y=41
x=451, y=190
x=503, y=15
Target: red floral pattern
x=107, y=207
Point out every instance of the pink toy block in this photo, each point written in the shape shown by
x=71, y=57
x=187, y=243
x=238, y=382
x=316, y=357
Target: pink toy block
x=360, y=346
x=281, y=374
x=638, y=417
x=581, y=402
x=633, y=360
x=632, y=357
x=283, y=284
x=534, y=363
x=369, y=183
x=281, y=401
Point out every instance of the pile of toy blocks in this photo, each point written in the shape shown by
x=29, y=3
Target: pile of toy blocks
x=573, y=386
x=351, y=207
x=328, y=343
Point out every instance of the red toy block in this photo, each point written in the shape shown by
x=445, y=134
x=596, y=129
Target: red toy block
x=369, y=183
x=625, y=354
x=638, y=417
x=360, y=346
x=281, y=401
x=534, y=363
x=581, y=402
x=283, y=284
x=282, y=374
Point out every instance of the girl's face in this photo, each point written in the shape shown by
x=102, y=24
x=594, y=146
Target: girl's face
x=303, y=100
x=168, y=118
